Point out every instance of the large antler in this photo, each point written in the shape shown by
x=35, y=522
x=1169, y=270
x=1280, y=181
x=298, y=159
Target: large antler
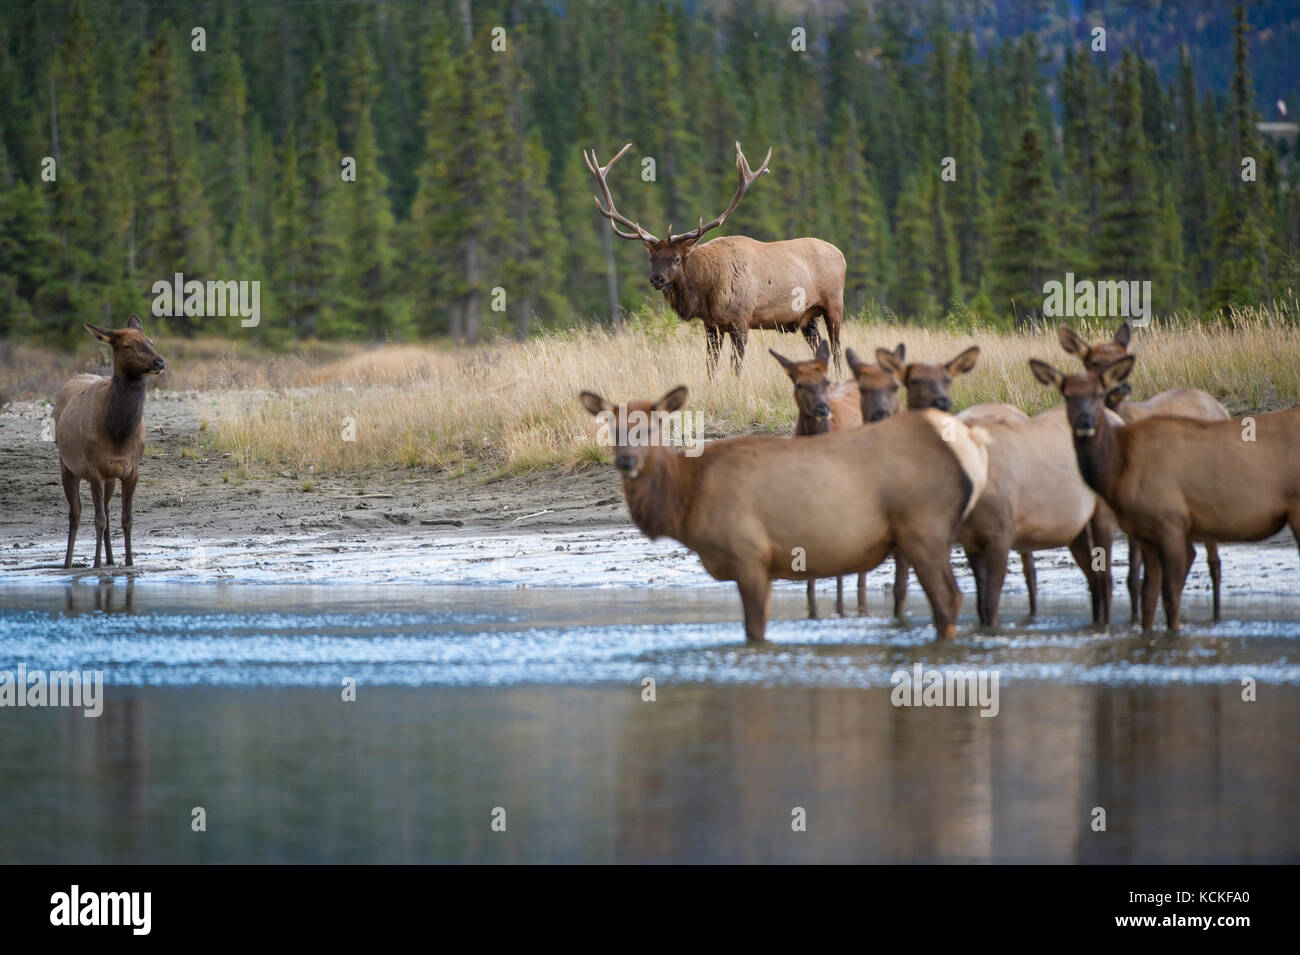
x=610, y=213
x=746, y=180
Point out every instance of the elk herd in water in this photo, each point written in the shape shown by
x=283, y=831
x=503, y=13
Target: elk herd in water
x=879, y=465
x=863, y=480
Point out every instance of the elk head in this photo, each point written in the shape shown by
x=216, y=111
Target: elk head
x=133, y=354
x=1086, y=394
x=928, y=384
x=881, y=392
x=811, y=386
x=667, y=256
x=1099, y=357
x=634, y=426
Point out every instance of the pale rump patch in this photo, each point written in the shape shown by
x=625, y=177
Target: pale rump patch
x=969, y=445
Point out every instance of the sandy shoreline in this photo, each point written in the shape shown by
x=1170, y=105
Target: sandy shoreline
x=417, y=526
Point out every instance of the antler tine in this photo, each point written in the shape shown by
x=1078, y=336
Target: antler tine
x=746, y=179
x=607, y=209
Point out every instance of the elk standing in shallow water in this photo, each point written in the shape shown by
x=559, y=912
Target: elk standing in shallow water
x=928, y=385
x=823, y=409
x=1178, y=403
x=99, y=431
x=734, y=283
x=737, y=505
x=1172, y=480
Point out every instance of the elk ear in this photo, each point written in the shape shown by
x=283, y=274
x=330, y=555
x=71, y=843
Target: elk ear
x=963, y=362
x=672, y=401
x=1046, y=373
x=890, y=362
x=786, y=363
x=594, y=403
x=134, y=322
x=901, y=352
x=105, y=335
x=1123, y=334
x=1070, y=341
x=823, y=352
x=1116, y=373
x=856, y=364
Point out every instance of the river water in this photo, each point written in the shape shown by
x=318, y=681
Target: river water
x=514, y=724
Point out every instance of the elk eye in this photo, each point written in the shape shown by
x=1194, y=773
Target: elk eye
x=676, y=259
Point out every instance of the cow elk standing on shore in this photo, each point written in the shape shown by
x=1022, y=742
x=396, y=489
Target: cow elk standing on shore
x=1173, y=480
x=99, y=431
x=823, y=408
x=734, y=283
x=742, y=505
x=1178, y=403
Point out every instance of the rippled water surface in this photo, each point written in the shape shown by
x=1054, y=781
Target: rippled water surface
x=534, y=701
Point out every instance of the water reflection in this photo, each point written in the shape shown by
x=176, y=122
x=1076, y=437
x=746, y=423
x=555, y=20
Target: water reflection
x=705, y=773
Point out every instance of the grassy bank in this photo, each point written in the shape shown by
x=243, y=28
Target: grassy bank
x=511, y=408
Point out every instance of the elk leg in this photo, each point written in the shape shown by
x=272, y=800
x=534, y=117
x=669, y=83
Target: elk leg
x=979, y=570
x=712, y=348
x=811, y=335
x=1031, y=579
x=831, y=318
x=1151, y=581
x=1103, y=536
x=108, y=545
x=72, y=491
x=995, y=575
x=101, y=520
x=1081, y=550
x=900, y=583
x=839, y=596
x=128, y=498
x=940, y=586
x=755, y=599
x=1212, y=559
x=1136, y=590
x=862, y=595
x=738, y=336
x=812, y=600
x=1175, y=557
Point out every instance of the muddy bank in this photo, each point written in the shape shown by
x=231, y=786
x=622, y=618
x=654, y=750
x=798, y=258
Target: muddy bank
x=197, y=520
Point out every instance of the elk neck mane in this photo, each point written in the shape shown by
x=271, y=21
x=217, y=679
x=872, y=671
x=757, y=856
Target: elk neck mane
x=660, y=498
x=1101, y=458
x=125, y=408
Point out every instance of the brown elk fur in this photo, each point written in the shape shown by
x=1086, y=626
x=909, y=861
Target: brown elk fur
x=739, y=504
x=1179, y=403
x=929, y=385
x=1034, y=500
x=1173, y=480
x=823, y=408
x=99, y=431
x=735, y=283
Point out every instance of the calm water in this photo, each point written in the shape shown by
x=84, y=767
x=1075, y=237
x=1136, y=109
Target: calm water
x=470, y=699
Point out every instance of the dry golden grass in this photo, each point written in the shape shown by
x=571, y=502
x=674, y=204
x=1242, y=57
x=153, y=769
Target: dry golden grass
x=511, y=408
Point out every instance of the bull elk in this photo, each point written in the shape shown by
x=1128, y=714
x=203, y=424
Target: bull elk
x=1173, y=480
x=927, y=385
x=1178, y=402
x=738, y=505
x=821, y=409
x=734, y=283
x=99, y=431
